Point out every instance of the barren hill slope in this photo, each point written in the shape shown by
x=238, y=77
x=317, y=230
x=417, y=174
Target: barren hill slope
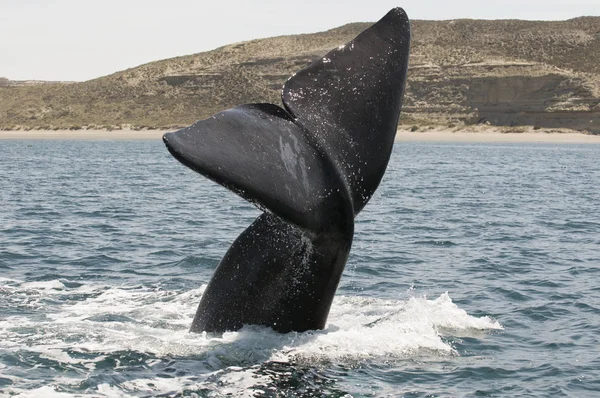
x=461, y=72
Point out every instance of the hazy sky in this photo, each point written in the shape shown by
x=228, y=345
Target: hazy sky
x=84, y=39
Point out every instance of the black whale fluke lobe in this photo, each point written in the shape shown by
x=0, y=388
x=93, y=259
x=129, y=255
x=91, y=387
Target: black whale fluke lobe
x=311, y=166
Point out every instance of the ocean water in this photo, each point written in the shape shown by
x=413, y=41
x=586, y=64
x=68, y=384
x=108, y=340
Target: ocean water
x=475, y=271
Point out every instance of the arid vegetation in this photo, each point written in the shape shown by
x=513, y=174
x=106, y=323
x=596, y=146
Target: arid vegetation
x=462, y=72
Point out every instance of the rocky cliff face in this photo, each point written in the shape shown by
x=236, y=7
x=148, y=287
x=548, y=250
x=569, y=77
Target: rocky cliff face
x=462, y=72
x=507, y=73
x=503, y=94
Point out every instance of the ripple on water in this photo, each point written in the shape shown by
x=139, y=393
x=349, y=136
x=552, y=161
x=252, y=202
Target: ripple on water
x=105, y=246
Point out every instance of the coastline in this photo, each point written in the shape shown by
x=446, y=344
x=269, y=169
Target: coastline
x=92, y=135
x=467, y=134
x=497, y=136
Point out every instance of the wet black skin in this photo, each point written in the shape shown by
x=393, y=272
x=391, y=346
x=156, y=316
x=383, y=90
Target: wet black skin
x=311, y=166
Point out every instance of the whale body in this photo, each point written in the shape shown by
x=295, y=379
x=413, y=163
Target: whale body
x=311, y=166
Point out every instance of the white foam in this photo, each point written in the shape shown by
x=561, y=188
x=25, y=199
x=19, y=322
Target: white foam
x=4, y=280
x=154, y=321
x=364, y=328
x=243, y=383
x=445, y=315
x=46, y=392
x=45, y=285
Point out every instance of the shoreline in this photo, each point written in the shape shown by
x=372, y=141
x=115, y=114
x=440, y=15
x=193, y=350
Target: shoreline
x=474, y=135
x=91, y=135
x=497, y=136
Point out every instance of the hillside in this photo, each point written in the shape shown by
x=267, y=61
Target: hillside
x=507, y=72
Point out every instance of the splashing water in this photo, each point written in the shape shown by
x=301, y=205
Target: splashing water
x=92, y=335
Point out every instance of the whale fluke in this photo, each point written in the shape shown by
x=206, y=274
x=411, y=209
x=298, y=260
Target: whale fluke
x=311, y=166
x=349, y=101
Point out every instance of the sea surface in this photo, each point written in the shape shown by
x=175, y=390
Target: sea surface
x=475, y=272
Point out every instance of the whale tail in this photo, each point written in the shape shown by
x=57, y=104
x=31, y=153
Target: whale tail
x=273, y=275
x=312, y=166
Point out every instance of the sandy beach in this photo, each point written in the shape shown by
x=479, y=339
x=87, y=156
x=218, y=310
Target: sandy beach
x=437, y=135
x=96, y=135
x=498, y=136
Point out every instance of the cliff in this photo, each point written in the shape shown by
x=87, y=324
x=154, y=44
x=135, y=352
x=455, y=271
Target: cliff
x=461, y=72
